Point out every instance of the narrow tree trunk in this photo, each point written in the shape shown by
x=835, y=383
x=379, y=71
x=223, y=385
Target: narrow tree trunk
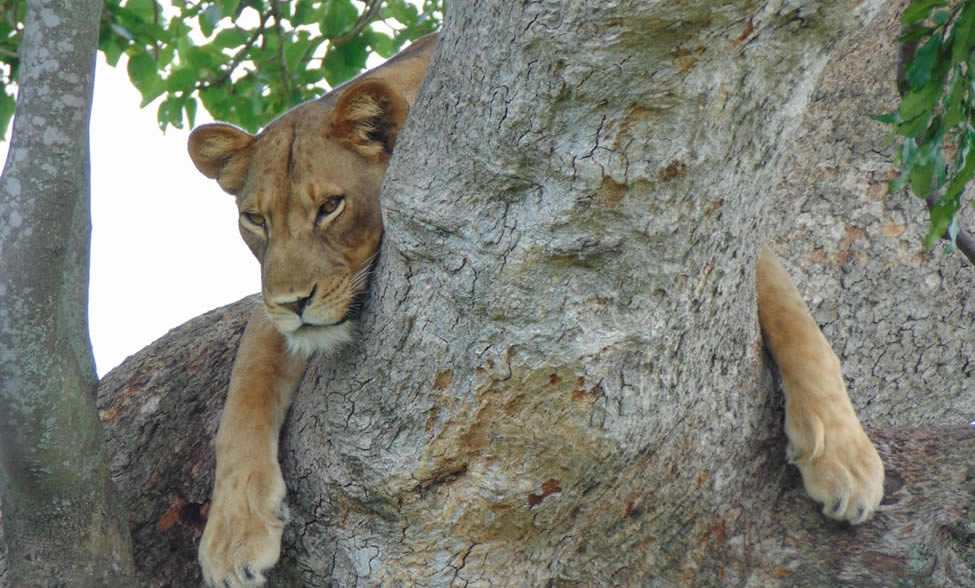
x=62, y=524
x=560, y=378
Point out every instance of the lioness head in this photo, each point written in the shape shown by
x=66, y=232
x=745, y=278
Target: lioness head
x=307, y=189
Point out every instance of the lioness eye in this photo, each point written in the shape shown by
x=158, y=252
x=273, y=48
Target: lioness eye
x=254, y=218
x=329, y=207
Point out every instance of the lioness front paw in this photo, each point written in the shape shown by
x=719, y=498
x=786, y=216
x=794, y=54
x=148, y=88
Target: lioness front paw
x=242, y=538
x=840, y=466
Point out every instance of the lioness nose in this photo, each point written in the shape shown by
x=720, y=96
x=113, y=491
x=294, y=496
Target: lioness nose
x=298, y=306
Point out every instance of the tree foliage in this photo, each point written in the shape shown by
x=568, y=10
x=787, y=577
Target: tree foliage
x=245, y=61
x=937, y=154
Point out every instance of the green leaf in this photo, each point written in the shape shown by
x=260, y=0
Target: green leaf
x=921, y=66
x=200, y=58
x=112, y=49
x=144, y=9
x=307, y=12
x=228, y=38
x=181, y=79
x=142, y=69
x=381, y=44
x=953, y=102
x=940, y=168
x=918, y=11
x=342, y=63
x=940, y=220
x=904, y=159
x=340, y=15
x=916, y=34
x=209, y=19
x=889, y=118
x=962, y=36
x=916, y=107
x=170, y=112
x=215, y=102
x=297, y=52
x=151, y=92
x=190, y=108
x=404, y=12
x=245, y=116
x=165, y=57
x=229, y=7
x=965, y=171
x=7, y=106
x=921, y=179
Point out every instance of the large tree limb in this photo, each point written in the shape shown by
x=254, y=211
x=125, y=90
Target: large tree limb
x=161, y=409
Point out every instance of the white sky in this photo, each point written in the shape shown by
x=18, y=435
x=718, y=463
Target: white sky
x=165, y=246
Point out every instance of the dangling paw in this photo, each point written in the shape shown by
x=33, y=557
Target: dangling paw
x=242, y=538
x=840, y=466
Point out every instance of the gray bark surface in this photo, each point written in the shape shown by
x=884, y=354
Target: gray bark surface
x=62, y=525
x=560, y=379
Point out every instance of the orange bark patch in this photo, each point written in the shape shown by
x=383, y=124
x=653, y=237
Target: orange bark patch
x=443, y=380
x=675, y=169
x=892, y=229
x=549, y=487
x=580, y=390
x=610, y=192
x=716, y=534
x=852, y=234
x=877, y=191
x=685, y=63
x=713, y=206
x=702, y=478
x=818, y=256
x=170, y=518
x=749, y=27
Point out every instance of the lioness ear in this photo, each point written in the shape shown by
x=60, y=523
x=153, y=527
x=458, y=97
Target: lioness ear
x=222, y=152
x=368, y=118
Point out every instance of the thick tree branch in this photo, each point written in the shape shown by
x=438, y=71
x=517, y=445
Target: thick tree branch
x=170, y=396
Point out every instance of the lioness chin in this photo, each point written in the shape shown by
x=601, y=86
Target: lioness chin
x=307, y=189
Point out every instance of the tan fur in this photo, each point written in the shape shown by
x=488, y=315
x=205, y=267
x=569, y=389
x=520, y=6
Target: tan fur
x=315, y=257
x=839, y=465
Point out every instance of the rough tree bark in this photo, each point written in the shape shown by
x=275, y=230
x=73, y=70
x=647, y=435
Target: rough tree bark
x=560, y=379
x=63, y=526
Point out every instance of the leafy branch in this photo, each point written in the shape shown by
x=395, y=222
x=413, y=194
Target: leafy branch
x=937, y=154
x=245, y=61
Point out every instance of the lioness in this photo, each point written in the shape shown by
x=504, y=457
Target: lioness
x=307, y=189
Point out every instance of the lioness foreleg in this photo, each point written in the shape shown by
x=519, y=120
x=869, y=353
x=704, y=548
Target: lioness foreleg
x=840, y=466
x=247, y=514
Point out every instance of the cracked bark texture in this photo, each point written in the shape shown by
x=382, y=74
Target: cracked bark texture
x=560, y=379
x=63, y=523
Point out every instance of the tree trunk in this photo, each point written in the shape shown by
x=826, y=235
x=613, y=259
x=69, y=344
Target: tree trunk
x=560, y=378
x=62, y=525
